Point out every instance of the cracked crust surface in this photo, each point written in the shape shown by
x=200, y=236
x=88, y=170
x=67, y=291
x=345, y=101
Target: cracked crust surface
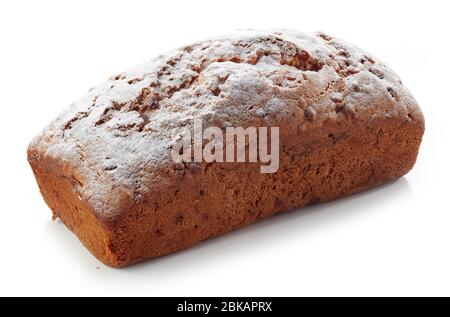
x=111, y=148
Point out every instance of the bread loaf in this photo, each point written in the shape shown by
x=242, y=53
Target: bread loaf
x=104, y=166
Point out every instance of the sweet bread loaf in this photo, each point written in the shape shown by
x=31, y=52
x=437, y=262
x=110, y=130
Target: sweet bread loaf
x=106, y=168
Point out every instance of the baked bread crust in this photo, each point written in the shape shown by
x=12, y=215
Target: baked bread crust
x=103, y=166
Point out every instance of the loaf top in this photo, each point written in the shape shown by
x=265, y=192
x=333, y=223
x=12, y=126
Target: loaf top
x=116, y=140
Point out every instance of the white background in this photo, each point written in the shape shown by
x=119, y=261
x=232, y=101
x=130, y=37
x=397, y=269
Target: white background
x=393, y=240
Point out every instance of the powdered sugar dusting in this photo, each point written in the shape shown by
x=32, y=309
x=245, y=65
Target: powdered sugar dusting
x=117, y=136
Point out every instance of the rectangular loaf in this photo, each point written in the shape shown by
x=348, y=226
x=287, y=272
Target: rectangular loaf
x=346, y=124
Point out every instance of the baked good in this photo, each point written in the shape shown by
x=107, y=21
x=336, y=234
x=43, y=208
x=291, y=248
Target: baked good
x=104, y=166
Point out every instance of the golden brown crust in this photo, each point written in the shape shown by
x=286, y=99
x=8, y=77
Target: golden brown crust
x=57, y=188
x=215, y=198
x=346, y=124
